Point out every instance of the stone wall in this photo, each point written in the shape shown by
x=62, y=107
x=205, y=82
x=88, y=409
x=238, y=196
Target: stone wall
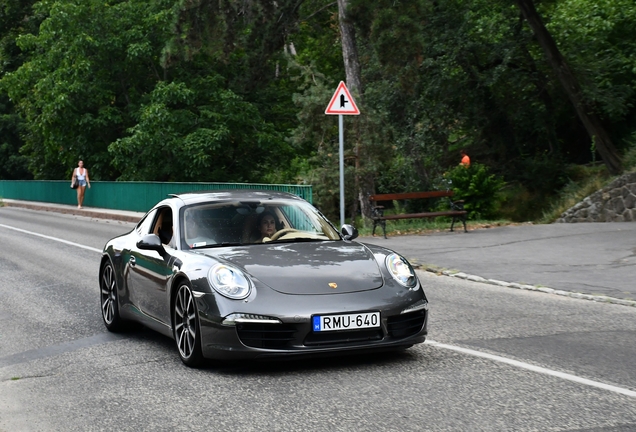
x=616, y=202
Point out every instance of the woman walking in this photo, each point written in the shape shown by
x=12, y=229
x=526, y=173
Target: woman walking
x=81, y=177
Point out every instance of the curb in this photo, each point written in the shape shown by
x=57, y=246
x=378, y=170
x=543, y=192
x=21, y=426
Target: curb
x=596, y=298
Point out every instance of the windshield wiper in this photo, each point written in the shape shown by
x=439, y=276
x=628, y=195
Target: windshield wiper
x=297, y=240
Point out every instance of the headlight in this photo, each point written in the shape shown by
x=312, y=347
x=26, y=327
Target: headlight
x=401, y=270
x=229, y=282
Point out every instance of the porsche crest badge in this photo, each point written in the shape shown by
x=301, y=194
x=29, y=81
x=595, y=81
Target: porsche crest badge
x=333, y=285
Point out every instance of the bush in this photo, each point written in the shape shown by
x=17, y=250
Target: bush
x=479, y=188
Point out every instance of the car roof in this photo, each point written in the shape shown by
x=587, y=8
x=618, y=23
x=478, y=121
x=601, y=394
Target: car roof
x=196, y=197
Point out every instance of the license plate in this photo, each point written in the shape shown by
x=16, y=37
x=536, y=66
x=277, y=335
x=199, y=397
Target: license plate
x=322, y=323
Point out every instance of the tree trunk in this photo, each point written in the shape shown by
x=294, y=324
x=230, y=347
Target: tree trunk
x=599, y=136
x=349, y=51
x=364, y=187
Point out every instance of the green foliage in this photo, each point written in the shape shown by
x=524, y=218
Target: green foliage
x=461, y=81
x=542, y=173
x=478, y=187
x=598, y=38
x=204, y=133
x=519, y=203
x=139, y=90
x=87, y=68
x=15, y=18
x=14, y=165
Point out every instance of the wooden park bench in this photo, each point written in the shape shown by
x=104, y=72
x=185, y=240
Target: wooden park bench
x=456, y=211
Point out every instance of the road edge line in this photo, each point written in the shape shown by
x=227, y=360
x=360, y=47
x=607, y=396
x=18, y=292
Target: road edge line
x=51, y=238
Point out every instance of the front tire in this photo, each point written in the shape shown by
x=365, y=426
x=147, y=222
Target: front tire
x=108, y=299
x=187, y=334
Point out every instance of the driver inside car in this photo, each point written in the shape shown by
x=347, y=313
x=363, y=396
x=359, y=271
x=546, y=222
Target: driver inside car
x=266, y=224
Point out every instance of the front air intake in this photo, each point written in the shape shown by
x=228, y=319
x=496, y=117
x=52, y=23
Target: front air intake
x=405, y=325
x=272, y=336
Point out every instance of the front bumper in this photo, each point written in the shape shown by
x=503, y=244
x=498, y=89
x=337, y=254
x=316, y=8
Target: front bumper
x=401, y=325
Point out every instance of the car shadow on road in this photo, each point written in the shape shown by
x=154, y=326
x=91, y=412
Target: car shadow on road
x=419, y=355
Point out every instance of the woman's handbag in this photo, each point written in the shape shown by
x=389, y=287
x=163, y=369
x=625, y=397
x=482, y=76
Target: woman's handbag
x=74, y=183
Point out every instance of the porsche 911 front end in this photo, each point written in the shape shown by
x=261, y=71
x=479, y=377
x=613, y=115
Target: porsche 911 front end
x=324, y=309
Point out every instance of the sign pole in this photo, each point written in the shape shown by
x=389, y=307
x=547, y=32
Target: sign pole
x=342, y=200
x=342, y=104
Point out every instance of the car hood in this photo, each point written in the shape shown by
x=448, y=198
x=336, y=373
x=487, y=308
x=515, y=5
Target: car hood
x=308, y=268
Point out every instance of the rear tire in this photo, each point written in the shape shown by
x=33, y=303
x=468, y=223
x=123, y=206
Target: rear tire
x=187, y=333
x=109, y=300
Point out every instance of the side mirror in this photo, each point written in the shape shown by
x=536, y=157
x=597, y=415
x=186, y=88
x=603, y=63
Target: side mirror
x=151, y=242
x=349, y=232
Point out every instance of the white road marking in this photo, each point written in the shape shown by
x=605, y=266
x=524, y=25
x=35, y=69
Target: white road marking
x=534, y=368
x=52, y=238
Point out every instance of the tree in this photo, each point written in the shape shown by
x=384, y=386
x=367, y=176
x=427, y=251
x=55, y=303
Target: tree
x=349, y=50
x=88, y=68
x=98, y=72
x=586, y=112
x=201, y=132
x=15, y=17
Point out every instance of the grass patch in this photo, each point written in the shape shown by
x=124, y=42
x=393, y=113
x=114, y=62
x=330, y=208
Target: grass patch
x=521, y=205
x=585, y=180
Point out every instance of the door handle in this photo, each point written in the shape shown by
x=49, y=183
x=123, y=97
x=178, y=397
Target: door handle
x=132, y=261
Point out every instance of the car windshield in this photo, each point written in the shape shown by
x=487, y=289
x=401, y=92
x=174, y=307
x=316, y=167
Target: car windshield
x=253, y=222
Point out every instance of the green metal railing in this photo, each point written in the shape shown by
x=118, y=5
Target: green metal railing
x=133, y=196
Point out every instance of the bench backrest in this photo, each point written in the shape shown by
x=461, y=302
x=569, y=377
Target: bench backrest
x=410, y=195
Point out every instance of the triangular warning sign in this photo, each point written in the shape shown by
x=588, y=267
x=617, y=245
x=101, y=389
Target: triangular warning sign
x=342, y=102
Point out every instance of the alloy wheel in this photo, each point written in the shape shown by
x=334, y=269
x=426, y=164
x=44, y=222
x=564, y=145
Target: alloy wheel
x=108, y=299
x=108, y=294
x=186, y=327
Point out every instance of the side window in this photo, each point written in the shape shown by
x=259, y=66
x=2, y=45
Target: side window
x=143, y=227
x=163, y=226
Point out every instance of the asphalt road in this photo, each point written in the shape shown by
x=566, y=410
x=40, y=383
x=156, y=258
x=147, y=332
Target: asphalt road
x=61, y=371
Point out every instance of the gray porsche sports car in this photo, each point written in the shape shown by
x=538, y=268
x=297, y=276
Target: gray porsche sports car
x=256, y=274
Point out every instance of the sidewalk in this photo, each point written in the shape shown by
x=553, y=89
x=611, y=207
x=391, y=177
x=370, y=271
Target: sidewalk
x=101, y=213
